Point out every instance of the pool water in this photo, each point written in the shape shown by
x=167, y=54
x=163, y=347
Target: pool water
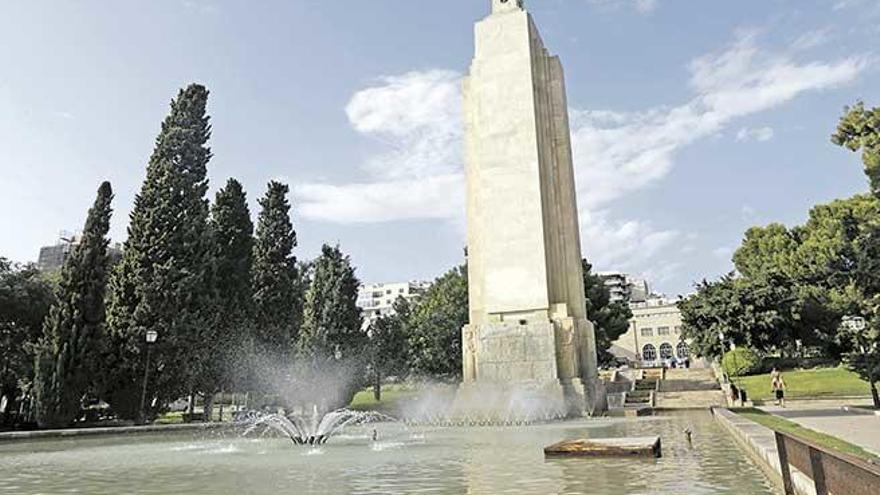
x=502, y=460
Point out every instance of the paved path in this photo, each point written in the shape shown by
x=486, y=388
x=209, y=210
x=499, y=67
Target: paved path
x=859, y=428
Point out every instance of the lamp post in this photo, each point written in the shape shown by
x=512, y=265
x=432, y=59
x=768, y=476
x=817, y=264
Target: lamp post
x=151, y=337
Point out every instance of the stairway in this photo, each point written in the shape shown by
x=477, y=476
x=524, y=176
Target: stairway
x=642, y=393
x=689, y=389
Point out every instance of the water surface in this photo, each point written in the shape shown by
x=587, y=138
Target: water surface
x=404, y=460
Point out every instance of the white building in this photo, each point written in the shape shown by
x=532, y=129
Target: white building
x=654, y=334
x=377, y=300
x=625, y=288
x=52, y=258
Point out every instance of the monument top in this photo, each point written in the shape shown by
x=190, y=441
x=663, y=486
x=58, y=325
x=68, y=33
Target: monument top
x=506, y=5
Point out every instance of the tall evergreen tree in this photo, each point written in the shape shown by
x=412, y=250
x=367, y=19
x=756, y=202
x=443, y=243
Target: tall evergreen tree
x=276, y=295
x=161, y=282
x=69, y=349
x=331, y=340
x=610, y=318
x=232, y=231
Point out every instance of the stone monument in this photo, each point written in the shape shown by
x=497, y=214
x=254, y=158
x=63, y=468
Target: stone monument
x=528, y=325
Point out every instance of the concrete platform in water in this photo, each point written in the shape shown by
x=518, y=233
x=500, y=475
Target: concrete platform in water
x=606, y=447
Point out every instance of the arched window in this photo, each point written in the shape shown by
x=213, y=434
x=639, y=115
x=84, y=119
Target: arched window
x=649, y=352
x=683, y=350
x=665, y=350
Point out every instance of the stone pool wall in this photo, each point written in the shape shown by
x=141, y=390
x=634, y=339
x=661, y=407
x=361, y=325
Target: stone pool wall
x=760, y=443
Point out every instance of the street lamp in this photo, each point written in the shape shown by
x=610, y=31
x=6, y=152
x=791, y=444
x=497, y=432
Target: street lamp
x=151, y=337
x=856, y=323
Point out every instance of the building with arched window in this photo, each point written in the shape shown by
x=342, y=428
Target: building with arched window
x=654, y=336
x=682, y=350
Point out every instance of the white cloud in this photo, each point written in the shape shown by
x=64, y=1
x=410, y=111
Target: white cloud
x=622, y=245
x=618, y=153
x=420, y=175
x=812, y=39
x=760, y=134
x=440, y=196
x=646, y=6
x=418, y=117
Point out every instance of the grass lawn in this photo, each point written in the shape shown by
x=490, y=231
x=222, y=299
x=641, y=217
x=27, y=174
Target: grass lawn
x=176, y=417
x=820, y=382
x=392, y=396
x=396, y=395
x=786, y=426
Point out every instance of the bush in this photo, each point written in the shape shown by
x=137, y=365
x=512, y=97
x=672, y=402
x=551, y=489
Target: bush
x=740, y=361
x=789, y=363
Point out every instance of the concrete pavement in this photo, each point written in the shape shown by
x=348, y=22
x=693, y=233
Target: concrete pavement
x=857, y=427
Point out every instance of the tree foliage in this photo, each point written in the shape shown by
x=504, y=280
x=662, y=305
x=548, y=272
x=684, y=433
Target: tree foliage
x=610, y=318
x=740, y=361
x=222, y=353
x=389, y=346
x=162, y=281
x=276, y=292
x=435, y=327
x=68, y=354
x=25, y=299
x=859, y=130
x=331, y=340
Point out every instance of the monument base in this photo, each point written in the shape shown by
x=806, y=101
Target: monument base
x=523, y=368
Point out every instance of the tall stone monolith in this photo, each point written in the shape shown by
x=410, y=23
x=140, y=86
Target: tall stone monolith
x=528, y=330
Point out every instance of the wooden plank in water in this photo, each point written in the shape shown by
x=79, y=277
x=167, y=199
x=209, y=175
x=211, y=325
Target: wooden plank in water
x=606, y=447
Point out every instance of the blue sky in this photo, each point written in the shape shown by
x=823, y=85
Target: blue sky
x=691, y=120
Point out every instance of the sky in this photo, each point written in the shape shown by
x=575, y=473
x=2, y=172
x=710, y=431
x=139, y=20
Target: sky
x=691, y=120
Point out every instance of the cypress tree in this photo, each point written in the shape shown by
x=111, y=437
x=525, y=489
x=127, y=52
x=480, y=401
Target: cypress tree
x=66, y=355
x=331, y=340
x=233, y=243
x=161, y=282
x=277, y=299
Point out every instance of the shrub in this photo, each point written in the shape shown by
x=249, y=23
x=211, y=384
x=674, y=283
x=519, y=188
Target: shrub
x=740, y=361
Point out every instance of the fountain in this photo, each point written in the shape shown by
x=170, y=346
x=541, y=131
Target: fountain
x=313, y=429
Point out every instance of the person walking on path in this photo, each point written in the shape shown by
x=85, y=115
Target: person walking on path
x=777, y=383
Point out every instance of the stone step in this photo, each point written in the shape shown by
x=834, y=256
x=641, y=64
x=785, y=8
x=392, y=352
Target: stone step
x=689, y=400
x=680, y=385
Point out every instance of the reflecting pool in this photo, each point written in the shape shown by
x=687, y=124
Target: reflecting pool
x=403, y=459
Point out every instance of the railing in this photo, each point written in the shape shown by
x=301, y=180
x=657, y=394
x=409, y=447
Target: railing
x=831, y=472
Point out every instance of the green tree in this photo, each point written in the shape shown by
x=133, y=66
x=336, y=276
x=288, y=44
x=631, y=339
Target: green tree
x=389, y=345
x=68, y=353
x=740, y=361
x=766, y=249
x=859, y=130
x=331, y=340
x=863, y=354
x=276, y=288
x=233, y=244
x=435, y=326
x=610, y=318
x=754, y=313
x=162, y=281
x=25, y=299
